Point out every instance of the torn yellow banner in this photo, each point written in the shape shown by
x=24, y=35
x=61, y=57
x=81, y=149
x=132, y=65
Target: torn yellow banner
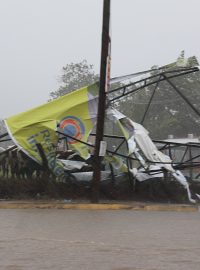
x=74, y=114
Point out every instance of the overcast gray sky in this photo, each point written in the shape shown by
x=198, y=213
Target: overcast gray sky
x=39, y=37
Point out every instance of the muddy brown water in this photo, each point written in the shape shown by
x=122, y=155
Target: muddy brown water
x=114, y=240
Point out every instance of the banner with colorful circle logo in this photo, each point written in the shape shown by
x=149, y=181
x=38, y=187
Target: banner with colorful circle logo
x=73, y=113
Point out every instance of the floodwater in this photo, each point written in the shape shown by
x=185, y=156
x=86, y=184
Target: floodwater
x=87, y=240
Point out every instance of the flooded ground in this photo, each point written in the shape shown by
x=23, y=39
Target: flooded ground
x=115, y=240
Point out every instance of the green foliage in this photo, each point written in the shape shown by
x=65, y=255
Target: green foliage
x=75, y=76
x=168, y=112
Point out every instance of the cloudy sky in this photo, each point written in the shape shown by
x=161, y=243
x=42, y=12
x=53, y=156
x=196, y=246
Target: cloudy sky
x=39, y=37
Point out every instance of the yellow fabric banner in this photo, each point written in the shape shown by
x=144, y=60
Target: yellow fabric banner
x=73, y=114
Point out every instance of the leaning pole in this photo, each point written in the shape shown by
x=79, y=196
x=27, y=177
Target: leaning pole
x=103, y=85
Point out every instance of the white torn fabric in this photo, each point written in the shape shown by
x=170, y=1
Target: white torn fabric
x=183, y=181
x=140, y=158
x=149, y=149
x=153, y=154
x=141, y=176
x=136, y=134
x=117, y=163
x=114, y=115
x=198, y=196
x=72, y=164
x=87, y=176
x=2, y=149
x=131, y=145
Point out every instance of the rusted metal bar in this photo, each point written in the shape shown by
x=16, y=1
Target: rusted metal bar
x=150, y=100
x=5, y=140
x=4, y=135
x=182, y=95
x=146, y=83
x=9, y=149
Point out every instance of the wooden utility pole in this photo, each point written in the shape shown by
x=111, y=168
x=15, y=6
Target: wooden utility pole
x=103, y=85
